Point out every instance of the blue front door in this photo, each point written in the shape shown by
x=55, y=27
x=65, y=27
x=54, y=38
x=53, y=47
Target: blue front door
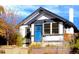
x=38, y=33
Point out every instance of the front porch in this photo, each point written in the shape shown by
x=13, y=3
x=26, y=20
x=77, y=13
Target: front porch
x=41, y=31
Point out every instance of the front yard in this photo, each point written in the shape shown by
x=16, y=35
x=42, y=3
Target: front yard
x=33, y=50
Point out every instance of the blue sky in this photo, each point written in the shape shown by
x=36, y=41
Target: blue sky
x=24, y=11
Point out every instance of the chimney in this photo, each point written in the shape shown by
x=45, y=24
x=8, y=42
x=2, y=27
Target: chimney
x=71, y=15
x=71, y=19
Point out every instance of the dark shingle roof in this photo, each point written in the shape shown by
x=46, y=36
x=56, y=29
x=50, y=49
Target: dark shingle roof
x=59, y=18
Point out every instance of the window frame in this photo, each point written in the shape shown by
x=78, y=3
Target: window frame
x=55, y=28
x=51, y=33
x=44, y=28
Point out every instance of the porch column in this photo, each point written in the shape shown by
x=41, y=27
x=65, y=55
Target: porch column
x=50, y=28
x=61, y=28
x=32, y=32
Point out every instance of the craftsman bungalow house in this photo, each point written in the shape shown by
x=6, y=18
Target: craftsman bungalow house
x=47, y=27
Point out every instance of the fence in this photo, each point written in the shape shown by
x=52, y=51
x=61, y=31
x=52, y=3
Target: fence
x=50, y=51
x=13, y=50
x=43, y=50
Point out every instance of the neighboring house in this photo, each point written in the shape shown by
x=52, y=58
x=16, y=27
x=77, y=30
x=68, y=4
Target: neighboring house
x=47, y=27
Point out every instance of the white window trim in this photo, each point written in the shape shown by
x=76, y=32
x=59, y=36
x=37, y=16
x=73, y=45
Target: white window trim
x=43, y=28
x=50, y=28
x=58, y=28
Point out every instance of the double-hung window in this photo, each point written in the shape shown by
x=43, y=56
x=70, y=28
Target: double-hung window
x=54, y=27
x=50, y=28
x=47, y=28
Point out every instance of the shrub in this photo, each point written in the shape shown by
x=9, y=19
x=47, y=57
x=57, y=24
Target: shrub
x=19, y=39
x=2, y=51
x=50, y=46
x=16, y=39
x=75, y=46
x=35, y=45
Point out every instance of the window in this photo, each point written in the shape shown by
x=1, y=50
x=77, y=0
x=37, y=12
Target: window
x=50, y=28
x=47, y=28
x=54, y=27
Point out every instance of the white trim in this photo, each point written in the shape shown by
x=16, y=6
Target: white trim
x=43, y=28
x=51, y=28
x=32, y=32
x=53, y=38
x=42, y=17
x=61, y=30
x=31, y=17
x=71, y=30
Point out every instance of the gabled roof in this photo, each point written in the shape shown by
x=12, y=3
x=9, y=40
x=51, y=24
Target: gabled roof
x=57, y=18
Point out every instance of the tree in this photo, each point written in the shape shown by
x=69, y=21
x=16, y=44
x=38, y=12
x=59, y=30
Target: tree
x=1, y=10
x=7, y=29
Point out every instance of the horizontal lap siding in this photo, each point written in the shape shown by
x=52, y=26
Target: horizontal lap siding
x=53, y=38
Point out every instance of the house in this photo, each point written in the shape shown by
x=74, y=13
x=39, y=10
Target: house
x=47, y=27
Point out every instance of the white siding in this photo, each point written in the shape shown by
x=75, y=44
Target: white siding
x=42, y=17
x=70, y=30
x=60, y=28
x=22, y=30
x=53, y=38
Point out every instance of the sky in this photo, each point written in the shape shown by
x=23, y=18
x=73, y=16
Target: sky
x=23, y=11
